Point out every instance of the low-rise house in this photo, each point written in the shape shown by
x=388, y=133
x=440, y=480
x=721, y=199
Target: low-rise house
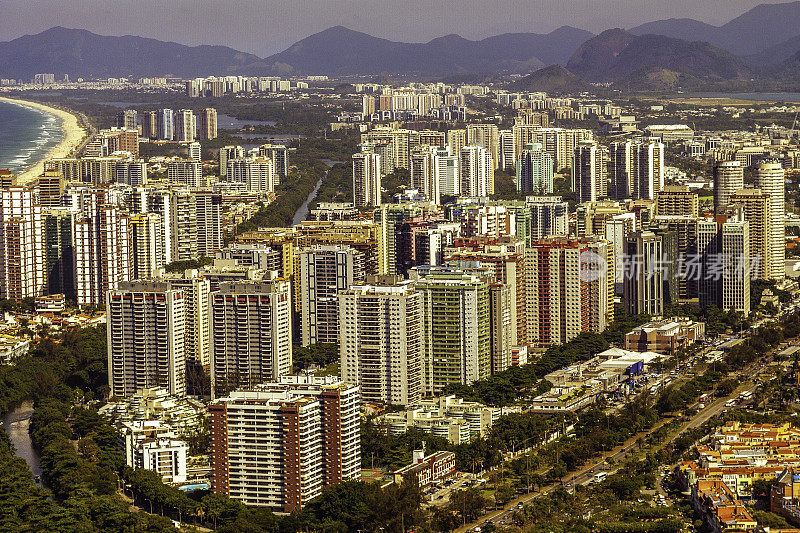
x=429, y=470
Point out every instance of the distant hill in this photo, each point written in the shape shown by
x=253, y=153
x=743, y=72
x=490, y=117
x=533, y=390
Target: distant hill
x=554, y=79
x=659, y=80
x=83, y=53
x=615, y=54
x=751, y=33
x=593, y=59
x=341, y=51
x=778, y=53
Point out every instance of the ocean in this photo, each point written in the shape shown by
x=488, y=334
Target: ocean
x=26, y=136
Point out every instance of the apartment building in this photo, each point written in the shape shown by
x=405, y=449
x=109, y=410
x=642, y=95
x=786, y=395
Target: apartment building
x=251, y=333
x=380, y=340
x=279, y=444
x=146, y=338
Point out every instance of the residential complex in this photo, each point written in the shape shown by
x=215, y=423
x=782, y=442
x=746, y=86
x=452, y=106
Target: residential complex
x=279, y=444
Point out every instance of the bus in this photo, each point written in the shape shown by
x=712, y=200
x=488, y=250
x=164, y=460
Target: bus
x=599, y=477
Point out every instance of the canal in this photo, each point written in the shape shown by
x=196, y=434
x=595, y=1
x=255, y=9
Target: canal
x=302, y=212
x=16, y=426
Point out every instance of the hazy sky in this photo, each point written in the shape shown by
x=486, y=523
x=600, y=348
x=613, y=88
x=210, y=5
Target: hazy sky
x=268, y=26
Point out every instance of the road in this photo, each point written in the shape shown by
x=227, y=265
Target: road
x=584, y=475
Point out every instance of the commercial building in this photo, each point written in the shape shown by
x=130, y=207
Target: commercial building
x=380, y=340
x=644, y=265
x=725, y=263
x=756, y=207
x=280, y=444
x=427, y=470
x=620, y=168
x=665, y=336
x=579, y=384
x=146, y=338
x=251, y=334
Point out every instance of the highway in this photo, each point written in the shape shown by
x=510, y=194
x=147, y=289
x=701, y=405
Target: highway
x=584, y=475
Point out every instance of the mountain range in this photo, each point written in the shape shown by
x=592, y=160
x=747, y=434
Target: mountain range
x=761, y=46
x=341, y=51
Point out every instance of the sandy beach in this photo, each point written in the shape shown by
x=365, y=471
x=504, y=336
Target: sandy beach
x=74, y=133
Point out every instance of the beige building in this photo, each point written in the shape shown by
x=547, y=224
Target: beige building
x=728, y=178
x=771, y=180
x=380, y=340
x=366, y=179
x=675, y=200
x=756, y=208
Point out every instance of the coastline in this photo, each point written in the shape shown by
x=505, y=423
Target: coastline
x=74, y=134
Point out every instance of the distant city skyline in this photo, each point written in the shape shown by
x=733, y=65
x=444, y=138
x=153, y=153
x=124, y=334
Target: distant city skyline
x=267, y=28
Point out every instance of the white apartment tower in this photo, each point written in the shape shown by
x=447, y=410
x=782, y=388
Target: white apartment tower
x=588, y=174
x=21, y=248
x=258, y=174
x=488, y=136
x=380, y=342
x=146, y=338
x=728, y=178
x=648, y=169
x=251, y=334
x=424, y=177
x=366, y=179
x=771, y=180
x=196, y=292
x=185, y=126
x=477, y=171
x=103, y=252
x=148, y=250
x=226, y=153
x=186, y=172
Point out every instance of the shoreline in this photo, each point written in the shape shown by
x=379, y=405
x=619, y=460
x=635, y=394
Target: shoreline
x=74, y=134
